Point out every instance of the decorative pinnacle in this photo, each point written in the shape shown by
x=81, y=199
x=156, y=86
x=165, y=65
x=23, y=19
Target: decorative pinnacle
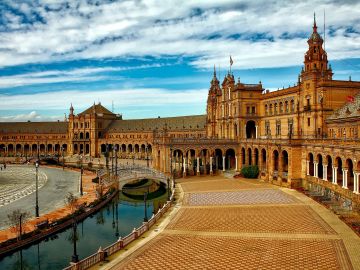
x=315, y=27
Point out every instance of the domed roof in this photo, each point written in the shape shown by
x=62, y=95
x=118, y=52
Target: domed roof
x=315, y=37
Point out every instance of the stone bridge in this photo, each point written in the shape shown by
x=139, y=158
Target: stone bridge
x=127, y=174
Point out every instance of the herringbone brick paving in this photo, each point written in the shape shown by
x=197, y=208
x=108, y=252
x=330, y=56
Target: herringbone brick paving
x=203, y=252
x=260, y=196
x=287, y=219
x=256, y=226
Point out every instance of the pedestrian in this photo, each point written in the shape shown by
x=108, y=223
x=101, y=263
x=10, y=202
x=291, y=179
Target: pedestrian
x=4, y=166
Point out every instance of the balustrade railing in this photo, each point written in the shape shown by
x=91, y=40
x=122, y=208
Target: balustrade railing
x=122, y=242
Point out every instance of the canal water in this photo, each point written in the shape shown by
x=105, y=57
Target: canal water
x=118, y=218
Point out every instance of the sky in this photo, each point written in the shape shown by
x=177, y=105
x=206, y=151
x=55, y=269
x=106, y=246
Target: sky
x=150, y=58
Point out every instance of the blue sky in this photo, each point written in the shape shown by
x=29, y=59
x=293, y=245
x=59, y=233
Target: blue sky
x=156, y=58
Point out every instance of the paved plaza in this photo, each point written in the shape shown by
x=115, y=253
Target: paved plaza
x=17, y=182
x=244, y=224
x=18, y=186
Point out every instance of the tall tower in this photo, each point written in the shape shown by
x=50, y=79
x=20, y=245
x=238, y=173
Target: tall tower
x=212, y=104
x=315, y=73
x=316, y=62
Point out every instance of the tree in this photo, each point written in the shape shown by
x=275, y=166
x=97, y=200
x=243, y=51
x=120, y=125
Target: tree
x=16, y=219
x=72, y=201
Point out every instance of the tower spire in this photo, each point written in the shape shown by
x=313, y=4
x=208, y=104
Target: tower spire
x=214, y=72
x=314, y=27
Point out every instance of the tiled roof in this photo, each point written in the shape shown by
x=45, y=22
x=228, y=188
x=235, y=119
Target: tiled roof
x=98, y=109
x=349, y=110
x=34, y=127
x=193, y=122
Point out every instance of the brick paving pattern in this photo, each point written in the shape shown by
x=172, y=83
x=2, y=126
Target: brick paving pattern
x=284, y=219
x=17, y=182
x=266, y=196
x=204, y=252
x=246, y=225
x=216, y=185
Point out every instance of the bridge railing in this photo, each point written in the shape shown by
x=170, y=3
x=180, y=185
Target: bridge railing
x=102, y=254
x=126, y=173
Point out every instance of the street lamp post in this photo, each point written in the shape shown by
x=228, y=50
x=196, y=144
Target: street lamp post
x=112, y=161
x=116, y=162
x=168, y=189
x=37, y=190
x=171, y=167
x=63, y=158
x=145, y=204
x=81, y=174
x=147, y=155
x=75, y=257
x=107, y=157
x=38, y=152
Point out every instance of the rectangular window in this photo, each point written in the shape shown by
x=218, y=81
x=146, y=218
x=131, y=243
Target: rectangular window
x=309, y=122
x=253, y=110
x=278, y=127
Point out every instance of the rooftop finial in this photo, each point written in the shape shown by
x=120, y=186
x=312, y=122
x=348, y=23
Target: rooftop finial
x=214, y=71
x=315, y=27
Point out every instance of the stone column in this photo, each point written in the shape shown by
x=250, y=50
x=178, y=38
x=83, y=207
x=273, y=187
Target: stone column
x=253, y=157
x=245, y=132
x=356, y=182
x=223, y=162
x=241, y=159
x=315, y=169
x=197, y=166
x=236, y=163
x=307, y=167
x=184, y=165
x=325, y=172
x=344, y=171
x=211, y=161
x=334, y=178
x=256, y=132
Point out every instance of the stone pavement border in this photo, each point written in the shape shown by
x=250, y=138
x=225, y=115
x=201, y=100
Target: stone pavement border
x=89, y=196
x=344, y=245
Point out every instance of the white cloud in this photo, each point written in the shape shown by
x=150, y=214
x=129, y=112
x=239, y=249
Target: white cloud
x=32, y=116
x=74, y=75
x=149, y=27
x=153, y=97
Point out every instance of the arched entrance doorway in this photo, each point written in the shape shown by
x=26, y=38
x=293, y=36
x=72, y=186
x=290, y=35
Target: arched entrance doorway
x=230, y=159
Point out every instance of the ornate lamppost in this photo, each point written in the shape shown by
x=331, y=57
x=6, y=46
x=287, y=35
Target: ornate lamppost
x=171, y=166
x=107, y=159
x=145, y=204
x=81, y=174
x=37, y=190
x=112, y=161
x=38, y=151
x=75, y=256
x=63, y=158
x=116, y=161
x=147, y=155
x=168, y=189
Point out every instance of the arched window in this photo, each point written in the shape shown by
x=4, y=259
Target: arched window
x=292, y=105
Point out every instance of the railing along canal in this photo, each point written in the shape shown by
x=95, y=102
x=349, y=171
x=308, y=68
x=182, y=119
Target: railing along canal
x=121, y=243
